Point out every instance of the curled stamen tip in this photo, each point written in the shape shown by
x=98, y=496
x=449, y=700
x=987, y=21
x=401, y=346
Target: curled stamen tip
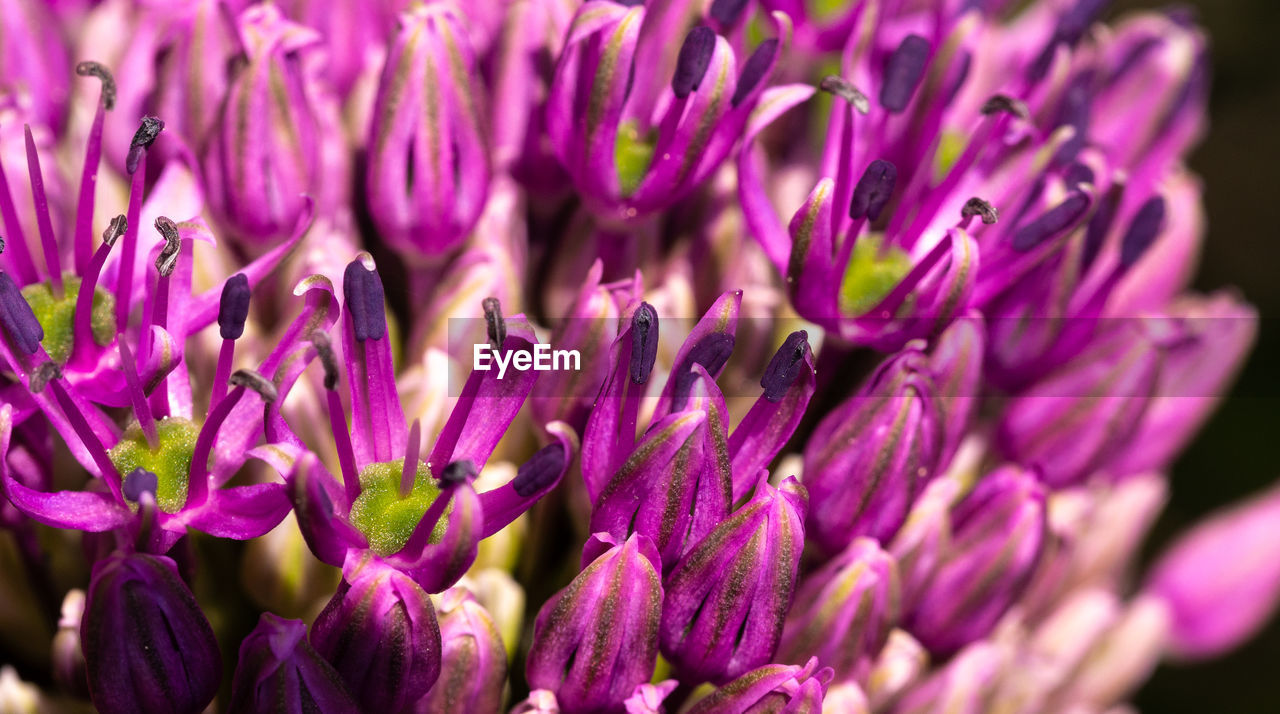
x=233, y=307
x=144, y=137
x=115, y=229
x=495, y=324
x=694, y=58
x=168, y=258
x=90, y=68
x=45, y=373
x=1004, y=103
x=138, y=482
x=979, y=207
x=255, y=381
x=324, y=350
x=785, y=366
x=843, y=88
x=644, y=342
x=457, y=472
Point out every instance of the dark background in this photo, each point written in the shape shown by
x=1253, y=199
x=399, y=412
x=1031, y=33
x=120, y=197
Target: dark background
x=1236, y=455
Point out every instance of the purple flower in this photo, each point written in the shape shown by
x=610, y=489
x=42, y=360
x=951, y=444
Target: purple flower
x=773, y=687
x=146, y=642
x=279, y=671
x=379, y=631
x=727, y=599
x=597, y=639
x=473, y=667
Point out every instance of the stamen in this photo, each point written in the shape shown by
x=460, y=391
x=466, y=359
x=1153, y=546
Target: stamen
x=337, y=420
x=843, y=88
x=233, y=307
x=495, y=324
x=364, y=301
x=644, y=342
x=410, y=471
x=324, y=350
x=785, y=366
x=146, y=420
x=1003, y=103
x=143, y=138
x=753, y=71
x=255, y=381
x=726, y=12
x=712, y=352
x=47, y=240
x=89, y=287
x=1053, y=221
x=903, y=72
x=19, y=256
x=457, y=472
x=138, y=482
x=198, y=477
x=17, y=318
x=115, y=229
x=694, y=58
x=43, y=375
x=873, y=191
x=95, y=69
x=979, y=207
x=168, y=258
x=137, y=186
x=539, y=471
x=1142, y=231
x=92, y=156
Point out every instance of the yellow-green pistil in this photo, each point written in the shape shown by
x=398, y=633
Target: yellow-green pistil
x=170, y=462
x=632, y=154
x=871, y=274
x=58, y=316
x=385, y=518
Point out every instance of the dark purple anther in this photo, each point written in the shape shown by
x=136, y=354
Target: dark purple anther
x=94, y=69
x=1055, y=220
x=233, y=308
x=1002, y=103
x=138, y=482
x=843, y=88
x=903, y=72
x=362, y=293
x=785, y=366
x=324, y=350
x=540, y=470
x=644, y=342
x=143, y=138
x=17, y=318
x=457, y=472
x=873, y=191
x=726, y=12
x=695, y=57
x=1142, y=231
x=712, y=351
x=168, y=258
x=115, y=229
x=753, y=71
x=979, y=207
x=495, y=325
x=255, y=381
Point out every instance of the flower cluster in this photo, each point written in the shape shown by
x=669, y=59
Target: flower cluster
x=881, y=351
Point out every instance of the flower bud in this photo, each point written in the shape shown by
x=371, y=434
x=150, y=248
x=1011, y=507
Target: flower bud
x=867, y=459
x=1221, y=581
x=771, y=688
x=900, y=663
x=597, y=639
x=277, y=139
x=727, y=599
x=956, y=364
x=843, y=612
x=147, y=645
x=473, y=666
x=997, y=536
x=428, y=162
x=379, y=631
x=278, y=671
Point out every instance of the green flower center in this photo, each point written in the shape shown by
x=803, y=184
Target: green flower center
x=385, y=518
x=871, y=274
x=58, y=317
x=632, y=154
x=170, y=462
